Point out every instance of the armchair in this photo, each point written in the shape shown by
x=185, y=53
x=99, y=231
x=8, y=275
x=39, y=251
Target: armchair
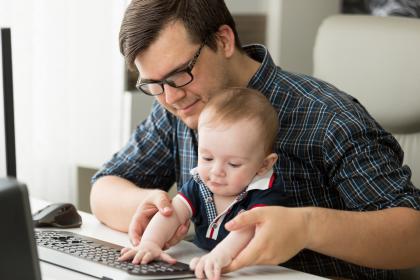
x=377, y=60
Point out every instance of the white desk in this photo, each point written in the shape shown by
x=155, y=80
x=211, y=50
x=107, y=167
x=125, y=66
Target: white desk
x=184, y=252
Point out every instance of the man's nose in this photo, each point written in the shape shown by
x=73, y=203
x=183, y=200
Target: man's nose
x=172, y=95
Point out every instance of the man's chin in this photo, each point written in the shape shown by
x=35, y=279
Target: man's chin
x=191, y=122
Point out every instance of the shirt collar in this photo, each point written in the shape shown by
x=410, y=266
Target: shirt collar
x=260, y=182
x=265, y=74
x=257, y=183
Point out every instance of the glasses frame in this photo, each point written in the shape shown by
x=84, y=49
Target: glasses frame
x=164, y=81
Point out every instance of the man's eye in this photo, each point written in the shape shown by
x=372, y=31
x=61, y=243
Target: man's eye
x=235, y=165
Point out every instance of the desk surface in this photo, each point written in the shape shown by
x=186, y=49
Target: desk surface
x=184, y=252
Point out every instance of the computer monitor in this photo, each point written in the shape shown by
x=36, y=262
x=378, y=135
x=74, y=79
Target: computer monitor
x=7, y=127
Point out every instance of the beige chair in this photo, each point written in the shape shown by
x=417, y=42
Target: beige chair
x=377, y=60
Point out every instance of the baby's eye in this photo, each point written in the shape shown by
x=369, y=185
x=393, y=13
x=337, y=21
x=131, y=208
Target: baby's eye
x=235, y=165
x=207, y=158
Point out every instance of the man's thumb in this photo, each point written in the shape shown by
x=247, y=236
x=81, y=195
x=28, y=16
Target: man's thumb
x=164, y=205
x=244, y=219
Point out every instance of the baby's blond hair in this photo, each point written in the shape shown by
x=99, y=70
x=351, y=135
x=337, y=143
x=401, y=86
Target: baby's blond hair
x=235, y=104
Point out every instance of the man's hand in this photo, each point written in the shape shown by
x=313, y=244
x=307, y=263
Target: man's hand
x=156, y=200
x=280, y=233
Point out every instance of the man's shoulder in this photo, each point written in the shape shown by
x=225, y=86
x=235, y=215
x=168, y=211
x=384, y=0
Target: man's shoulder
x=288, y=91
x=291, y=92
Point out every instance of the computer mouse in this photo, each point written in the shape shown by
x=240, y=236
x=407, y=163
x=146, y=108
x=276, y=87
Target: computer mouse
x=61, y=215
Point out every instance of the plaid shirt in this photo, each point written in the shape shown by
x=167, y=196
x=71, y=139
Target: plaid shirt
x=332, y=154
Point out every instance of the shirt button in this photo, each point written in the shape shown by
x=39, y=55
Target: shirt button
x=209, y=199
x=214, y=226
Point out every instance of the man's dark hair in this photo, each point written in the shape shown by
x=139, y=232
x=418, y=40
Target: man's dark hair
x=144, y=19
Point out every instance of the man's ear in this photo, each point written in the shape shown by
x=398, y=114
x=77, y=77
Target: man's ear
x=268, y=163
x=225, y=40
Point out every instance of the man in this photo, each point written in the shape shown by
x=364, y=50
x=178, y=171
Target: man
x=352, y=205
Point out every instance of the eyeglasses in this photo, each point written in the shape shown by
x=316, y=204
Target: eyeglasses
x=177, y=79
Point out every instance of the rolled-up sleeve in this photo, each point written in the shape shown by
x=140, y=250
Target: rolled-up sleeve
x=364, y=163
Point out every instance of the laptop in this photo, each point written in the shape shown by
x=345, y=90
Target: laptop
x=21, y=246
x=18, y=254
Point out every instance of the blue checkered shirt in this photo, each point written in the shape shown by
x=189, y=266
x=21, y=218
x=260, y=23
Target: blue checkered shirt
x=332, y=154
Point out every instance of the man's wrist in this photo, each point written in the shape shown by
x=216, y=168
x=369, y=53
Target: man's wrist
x=309, y=214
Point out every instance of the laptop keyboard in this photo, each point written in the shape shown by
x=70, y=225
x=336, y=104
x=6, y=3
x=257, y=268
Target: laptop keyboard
x=104, y=253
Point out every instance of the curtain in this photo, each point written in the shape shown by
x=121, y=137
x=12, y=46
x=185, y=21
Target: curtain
x=68, y=85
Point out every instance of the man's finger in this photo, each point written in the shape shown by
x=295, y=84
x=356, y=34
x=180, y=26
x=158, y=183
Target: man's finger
x=163, y=203
x=135, y=231
x=135, y=240
x=139, y=223
x=244, y=219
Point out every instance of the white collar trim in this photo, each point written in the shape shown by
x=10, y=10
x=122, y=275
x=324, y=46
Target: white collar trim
x=260, y=182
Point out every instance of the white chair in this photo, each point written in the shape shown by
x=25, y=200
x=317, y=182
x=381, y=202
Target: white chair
x=377, y=60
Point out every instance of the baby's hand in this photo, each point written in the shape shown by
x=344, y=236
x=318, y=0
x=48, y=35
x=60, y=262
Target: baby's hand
x=210, y=265
x=144, y=253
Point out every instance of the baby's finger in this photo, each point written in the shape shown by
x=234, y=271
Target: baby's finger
x=208, y=269
x=193, y=263
x=148, y=257
x=127, y=255
x=139, y=257
x=199, y=270
x=124, y=250
x=167, y=258
x=217, y=271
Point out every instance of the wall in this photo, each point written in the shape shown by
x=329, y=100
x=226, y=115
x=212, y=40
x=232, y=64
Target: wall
x=248, y=6
x=291, y=27
x=298, y=24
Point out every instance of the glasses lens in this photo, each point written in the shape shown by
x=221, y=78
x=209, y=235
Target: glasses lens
x=179, y=79
x=151, y=89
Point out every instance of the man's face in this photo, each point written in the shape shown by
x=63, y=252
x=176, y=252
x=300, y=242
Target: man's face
x=172, y=51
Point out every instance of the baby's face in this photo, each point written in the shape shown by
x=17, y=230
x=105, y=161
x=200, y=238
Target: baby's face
x=229, y=156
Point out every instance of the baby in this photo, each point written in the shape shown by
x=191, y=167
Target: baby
x=236, y=137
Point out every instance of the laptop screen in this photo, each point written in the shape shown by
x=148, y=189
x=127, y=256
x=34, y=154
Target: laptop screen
x=18, y=253
x=7, y=130
x=2, y=122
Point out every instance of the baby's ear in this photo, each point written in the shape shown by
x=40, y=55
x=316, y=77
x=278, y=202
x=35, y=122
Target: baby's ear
x=268, y=163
